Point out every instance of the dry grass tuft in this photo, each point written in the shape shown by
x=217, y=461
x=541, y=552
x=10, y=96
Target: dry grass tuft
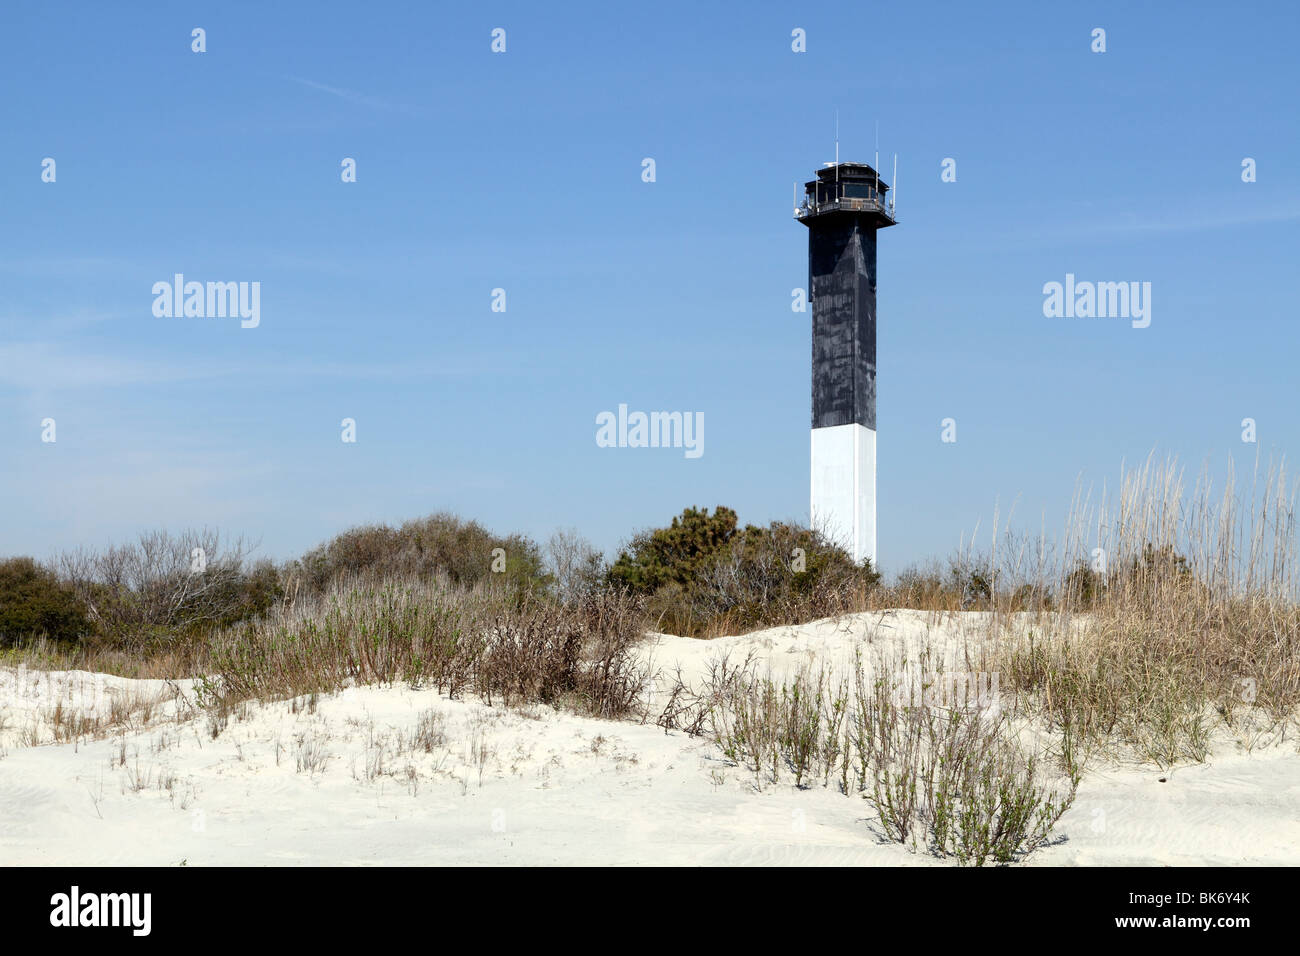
x=951, y=778
x=1175, y=612
x=461, y=642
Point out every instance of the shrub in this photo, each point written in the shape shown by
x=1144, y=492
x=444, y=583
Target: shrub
x=975, y=585
x=673, y=555
x=35, y=603
x=703, y=575
x=429, y=633
x=1083, y=585
x=951, y=779
x=463, y=552
x=781, y=574
x=577, y=569
x=162, y=587
x=927, y=588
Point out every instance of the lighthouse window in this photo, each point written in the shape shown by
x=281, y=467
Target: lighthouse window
x=857, y=191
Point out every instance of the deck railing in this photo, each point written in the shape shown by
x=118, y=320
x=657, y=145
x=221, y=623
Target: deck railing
x=844, y=204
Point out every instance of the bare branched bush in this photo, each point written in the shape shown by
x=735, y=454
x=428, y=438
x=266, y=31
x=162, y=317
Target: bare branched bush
x=430, y=733
x=575, y=566
x=162, y=585
x=311, y=752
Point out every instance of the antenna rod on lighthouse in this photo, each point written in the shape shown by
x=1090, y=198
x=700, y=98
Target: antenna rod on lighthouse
x=837, y=146
x=893, y=200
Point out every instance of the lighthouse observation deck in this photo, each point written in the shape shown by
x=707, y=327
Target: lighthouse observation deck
x=852, y=188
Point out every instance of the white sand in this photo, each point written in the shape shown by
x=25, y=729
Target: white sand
x=545, y=787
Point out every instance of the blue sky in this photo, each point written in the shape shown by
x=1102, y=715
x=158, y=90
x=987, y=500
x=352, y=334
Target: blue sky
x=522, y=171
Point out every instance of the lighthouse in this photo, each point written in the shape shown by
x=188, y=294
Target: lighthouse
x=843, y=208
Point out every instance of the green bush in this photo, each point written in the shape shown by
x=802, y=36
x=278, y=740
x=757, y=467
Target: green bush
x=248, y=594
x=779, y=574
x=703, y=575
x=464, y=552
x=673, y=554
x=1144, y=579
x=1083, y=585
x=35, y=603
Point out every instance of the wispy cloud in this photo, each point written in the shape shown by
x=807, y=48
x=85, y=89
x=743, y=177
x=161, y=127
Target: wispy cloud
x=103, y=487
x=46, y=367
x=1213, y=215
x=1135, y=224
x=71, y=320
x=42, y=366
x=68, y=265
x=351, y=96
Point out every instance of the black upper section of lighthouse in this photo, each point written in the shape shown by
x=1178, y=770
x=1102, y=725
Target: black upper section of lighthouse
x=842, y=208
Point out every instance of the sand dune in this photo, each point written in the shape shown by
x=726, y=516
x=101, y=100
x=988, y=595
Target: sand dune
x=404, y=776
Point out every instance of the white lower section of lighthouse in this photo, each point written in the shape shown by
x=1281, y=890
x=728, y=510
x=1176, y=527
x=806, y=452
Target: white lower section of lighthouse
x=844, y=487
